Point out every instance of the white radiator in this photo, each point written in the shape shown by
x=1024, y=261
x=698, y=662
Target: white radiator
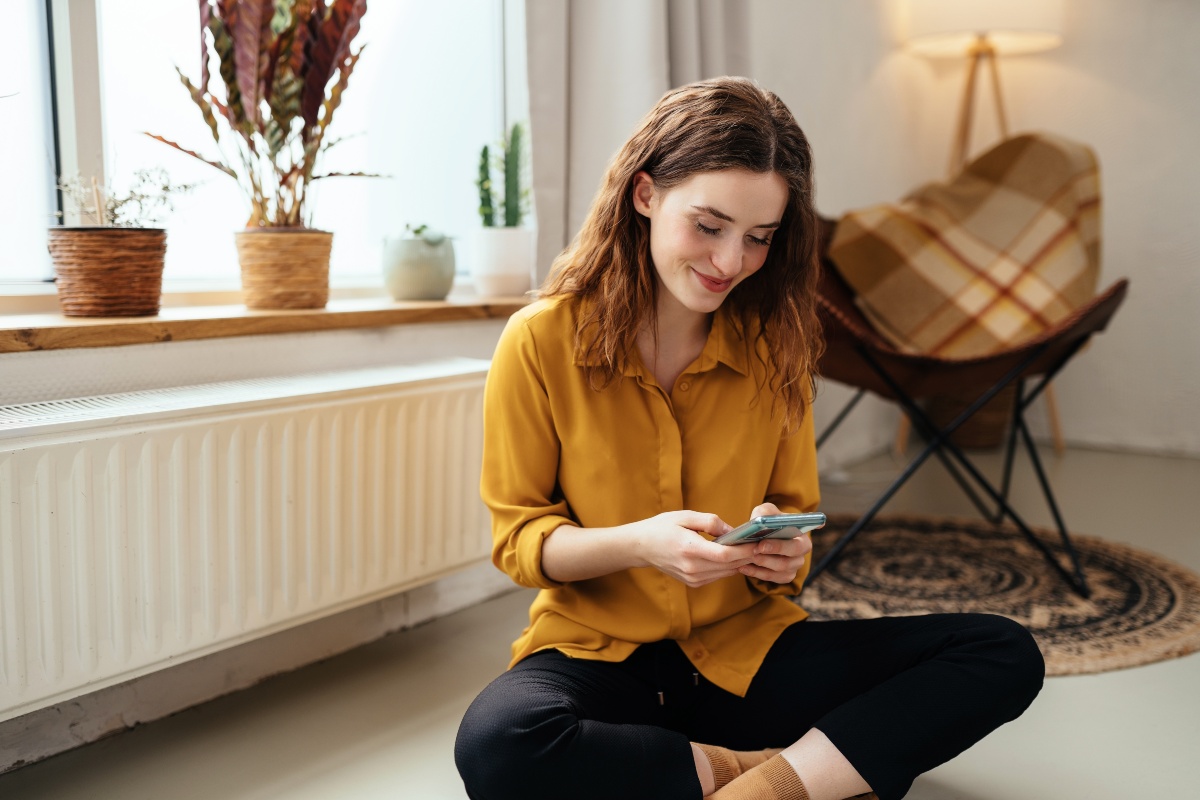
x=142, y=529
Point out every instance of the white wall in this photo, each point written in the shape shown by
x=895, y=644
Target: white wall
x=1125, y=82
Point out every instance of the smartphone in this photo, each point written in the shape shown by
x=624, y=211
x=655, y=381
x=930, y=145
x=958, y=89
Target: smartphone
x=775, y=526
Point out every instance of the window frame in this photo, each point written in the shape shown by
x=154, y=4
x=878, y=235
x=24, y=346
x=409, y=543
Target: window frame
x=74, y=59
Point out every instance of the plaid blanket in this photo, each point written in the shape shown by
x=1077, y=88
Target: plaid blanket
x=1004, y=251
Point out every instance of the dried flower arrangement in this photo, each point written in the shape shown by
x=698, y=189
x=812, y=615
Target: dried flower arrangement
x=144, y=205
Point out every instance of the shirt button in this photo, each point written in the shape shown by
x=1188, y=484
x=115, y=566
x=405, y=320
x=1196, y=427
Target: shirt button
x=683, y=387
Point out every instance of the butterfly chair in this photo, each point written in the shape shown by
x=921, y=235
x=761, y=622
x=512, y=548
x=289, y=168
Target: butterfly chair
x=858, y=356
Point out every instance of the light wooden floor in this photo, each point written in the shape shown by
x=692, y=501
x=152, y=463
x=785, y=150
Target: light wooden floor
x=379, y=722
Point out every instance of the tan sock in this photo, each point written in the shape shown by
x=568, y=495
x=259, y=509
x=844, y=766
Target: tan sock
x=774, y=779
x=728, y=764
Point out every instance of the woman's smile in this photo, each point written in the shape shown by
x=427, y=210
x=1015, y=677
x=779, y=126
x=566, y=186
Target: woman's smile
x=713, y=284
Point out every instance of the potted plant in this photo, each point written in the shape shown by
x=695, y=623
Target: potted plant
x=419, y=265
x=283, y=68
x=503, y=251
x=113, y=268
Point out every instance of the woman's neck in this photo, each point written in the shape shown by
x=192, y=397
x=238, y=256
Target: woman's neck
x=681, y=336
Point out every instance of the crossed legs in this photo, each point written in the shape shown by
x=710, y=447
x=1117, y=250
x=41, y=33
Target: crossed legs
x=855, y=704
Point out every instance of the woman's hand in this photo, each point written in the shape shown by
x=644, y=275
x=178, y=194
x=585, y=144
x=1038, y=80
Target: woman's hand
x=670, y=543
x=776, y=560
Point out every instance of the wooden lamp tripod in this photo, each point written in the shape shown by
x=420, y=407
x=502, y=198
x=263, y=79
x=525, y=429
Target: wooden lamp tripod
x=983, y=29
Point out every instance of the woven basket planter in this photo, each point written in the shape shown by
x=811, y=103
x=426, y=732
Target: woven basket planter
x=108, y=272
x=284, y=267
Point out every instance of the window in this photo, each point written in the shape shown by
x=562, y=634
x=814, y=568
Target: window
x=28, y=198
x=427, y=94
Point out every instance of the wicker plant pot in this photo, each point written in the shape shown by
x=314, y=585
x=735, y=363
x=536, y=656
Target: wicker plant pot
x=284, y=267
x=108, y=272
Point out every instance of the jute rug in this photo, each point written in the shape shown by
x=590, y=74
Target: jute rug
x=1143, y=608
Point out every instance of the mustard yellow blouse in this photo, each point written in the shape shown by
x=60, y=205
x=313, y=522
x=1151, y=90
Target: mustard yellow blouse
x=558, y=452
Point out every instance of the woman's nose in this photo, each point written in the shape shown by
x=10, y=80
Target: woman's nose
x=727, y=259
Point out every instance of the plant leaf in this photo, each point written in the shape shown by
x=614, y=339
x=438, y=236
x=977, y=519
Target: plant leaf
x=245, y=24
x=279, y=29
x=340, y=25
x=206, y=108
x=347, y=175
x=355, y=9
x=335, y=96
x=205, y=16
x=182, y=149
x=286, y=85
x=303, y=13
x=223, y=44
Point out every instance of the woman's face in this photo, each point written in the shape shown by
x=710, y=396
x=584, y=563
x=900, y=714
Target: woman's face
x=711, y=232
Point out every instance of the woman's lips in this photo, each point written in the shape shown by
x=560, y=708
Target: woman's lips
x=712, y=284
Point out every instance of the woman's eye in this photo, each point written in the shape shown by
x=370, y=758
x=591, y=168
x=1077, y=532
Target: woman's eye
x=700, y=226
x=764, y=242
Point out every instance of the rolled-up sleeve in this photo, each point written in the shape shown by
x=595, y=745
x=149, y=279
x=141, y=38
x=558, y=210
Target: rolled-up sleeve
x=794, y=488
x=521, y=452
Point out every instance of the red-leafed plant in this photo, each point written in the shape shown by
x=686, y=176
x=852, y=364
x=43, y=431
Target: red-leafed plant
x=283, y=67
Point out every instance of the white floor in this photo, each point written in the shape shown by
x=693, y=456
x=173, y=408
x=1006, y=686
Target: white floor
x=379, y=722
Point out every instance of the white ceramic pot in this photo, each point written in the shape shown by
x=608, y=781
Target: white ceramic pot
x=419, y=267
x=502, y=260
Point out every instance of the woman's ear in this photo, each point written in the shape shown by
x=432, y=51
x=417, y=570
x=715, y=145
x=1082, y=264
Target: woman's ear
x=643, y=193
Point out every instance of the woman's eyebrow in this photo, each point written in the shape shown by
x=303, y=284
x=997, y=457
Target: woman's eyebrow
x=722, y=215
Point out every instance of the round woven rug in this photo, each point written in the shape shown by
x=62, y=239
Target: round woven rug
x=1143, y=608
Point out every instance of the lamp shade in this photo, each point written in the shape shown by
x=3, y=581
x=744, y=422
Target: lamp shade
x=950, y=27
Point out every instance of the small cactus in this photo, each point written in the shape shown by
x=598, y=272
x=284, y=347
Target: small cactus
x=511, y=164
x=487, y=207
x=512, y=178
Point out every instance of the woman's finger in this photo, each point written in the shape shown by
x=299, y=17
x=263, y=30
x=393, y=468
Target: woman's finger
x=774, y=576
x=764, y=510
x=700, y=522
x=793, y=548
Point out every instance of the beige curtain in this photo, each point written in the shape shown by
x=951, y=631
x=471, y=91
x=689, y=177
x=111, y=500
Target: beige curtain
x=595, y=68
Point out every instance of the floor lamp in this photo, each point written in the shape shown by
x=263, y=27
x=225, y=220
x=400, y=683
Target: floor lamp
x=981, y=31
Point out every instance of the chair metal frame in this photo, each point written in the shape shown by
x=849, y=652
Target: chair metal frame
x=905, y=378
x=939, y=443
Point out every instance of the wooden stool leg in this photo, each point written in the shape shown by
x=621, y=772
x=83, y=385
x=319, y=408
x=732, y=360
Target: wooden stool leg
x=1060, y=445
x=903, y=429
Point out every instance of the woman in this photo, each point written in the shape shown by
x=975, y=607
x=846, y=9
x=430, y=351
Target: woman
x=656, y=394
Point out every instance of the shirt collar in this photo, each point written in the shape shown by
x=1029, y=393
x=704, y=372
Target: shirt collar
x=726, y=345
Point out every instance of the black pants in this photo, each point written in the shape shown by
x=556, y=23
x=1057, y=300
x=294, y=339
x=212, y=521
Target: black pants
x=897, y=696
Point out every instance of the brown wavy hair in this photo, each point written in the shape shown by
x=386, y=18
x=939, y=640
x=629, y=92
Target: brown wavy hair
x=719, y=124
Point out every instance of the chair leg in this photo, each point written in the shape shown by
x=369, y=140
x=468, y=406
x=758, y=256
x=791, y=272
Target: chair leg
x=997, y=516
x=866, y=518
x=841, y=416
x=1050, y=501
x=941, y=439
x=927, y=428
x=903, y=429
x=936, y=441
x=1076, y=581
x=1060, y=444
